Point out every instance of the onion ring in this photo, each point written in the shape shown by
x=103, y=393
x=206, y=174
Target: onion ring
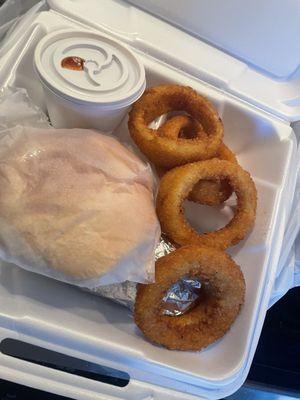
x=167, y=152
x=214, y=192
x=182, y=126
x=209, y=192
x=175, y=187
x=223, y=291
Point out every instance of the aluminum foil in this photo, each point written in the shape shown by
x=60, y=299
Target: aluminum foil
x=181, y=297
x=163, y=248
x=124, y=293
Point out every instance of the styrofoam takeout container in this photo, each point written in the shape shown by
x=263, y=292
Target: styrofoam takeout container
x=98, y=96
x=59, y=317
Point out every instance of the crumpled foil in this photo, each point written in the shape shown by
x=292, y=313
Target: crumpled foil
x=124, y=293
x=180, y=297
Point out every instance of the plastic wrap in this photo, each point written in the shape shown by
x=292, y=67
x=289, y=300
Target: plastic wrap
x=12, y=99
x=75, y=205
x=14, y=15
x=288, y=269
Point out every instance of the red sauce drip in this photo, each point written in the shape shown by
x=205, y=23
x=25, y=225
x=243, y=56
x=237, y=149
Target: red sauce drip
x=73, y=62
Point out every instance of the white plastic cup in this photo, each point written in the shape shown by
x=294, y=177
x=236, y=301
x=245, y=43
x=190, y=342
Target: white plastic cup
x=100, y=95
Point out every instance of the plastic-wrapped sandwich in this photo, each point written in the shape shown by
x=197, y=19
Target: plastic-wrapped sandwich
x=77, y=206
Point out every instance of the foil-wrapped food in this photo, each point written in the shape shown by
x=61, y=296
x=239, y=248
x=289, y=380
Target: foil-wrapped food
x=180, y=297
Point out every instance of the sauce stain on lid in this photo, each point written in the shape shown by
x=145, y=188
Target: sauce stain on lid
x=73, y=62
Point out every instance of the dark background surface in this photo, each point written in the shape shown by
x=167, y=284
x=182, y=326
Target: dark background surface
x=276, y=365
x=277, y=358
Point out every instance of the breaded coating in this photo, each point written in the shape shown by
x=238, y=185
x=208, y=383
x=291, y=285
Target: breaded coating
x=209, y=192
x=168, y=152
x=220, y=299
x=175, y=187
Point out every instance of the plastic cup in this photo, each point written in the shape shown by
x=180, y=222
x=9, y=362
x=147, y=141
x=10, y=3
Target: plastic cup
x=89, y=80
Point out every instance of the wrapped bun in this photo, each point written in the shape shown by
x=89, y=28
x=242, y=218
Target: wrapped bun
x=77, y=206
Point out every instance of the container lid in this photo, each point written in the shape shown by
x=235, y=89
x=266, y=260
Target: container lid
x=88, y=67
x=264, y=34
x=250, y=49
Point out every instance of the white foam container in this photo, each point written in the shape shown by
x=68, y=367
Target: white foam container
x=56, y=316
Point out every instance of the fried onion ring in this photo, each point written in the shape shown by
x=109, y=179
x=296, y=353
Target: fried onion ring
x=182, y=126
x=209, y=192
x=167, y=152
x=175, y=187
x=220, y=300
x=214, y=192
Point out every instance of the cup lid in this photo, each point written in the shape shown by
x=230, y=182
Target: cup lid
x=88, y=67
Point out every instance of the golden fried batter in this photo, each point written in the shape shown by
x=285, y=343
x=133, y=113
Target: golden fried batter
x=214, y=192
x=209, y=192
x=221, y=297
x=182, y=126
x=175, y=187
x=169, y=152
